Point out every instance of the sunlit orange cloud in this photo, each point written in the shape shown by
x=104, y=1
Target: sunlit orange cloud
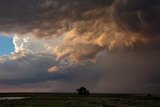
x=86, y=27
x=53, y=69
x=77, y=46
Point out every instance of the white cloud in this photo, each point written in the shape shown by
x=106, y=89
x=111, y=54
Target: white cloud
x=28, y=43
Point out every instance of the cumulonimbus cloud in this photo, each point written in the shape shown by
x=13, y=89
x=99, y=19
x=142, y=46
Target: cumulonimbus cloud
x=86, y=27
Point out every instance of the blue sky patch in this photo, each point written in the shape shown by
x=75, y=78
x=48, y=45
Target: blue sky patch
x=6, y=45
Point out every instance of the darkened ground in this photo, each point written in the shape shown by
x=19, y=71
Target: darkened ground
x=74, y=100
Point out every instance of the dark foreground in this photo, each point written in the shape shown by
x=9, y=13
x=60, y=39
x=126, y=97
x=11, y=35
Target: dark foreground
x=74, y=100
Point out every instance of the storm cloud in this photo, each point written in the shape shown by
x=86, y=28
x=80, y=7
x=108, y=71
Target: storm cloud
x=91, y=25
x=113, y=45
x=130, y=72
x=45, y=17
x=139, y=16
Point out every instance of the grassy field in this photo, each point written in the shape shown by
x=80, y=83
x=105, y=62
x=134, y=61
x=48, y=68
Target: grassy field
x=74, y=100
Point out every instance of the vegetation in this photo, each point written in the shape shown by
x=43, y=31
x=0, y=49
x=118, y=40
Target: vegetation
x=74, y=100
x=82, y=91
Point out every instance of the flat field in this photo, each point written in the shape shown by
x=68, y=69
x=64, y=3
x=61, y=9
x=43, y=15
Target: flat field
x=74, y=100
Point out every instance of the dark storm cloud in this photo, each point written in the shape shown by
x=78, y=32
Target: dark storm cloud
x=131, y=72
x=100, y=24
x=40, y=75
x=28, y=68
x=91, y=26
x=44, y=17
x=140, y=16
x=55, y=16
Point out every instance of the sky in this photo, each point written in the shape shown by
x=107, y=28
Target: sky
x=107, y=46
x=6, y=45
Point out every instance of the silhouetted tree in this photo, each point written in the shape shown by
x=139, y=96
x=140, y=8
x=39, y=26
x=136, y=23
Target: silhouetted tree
x=82, y=91
x=149, y=95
